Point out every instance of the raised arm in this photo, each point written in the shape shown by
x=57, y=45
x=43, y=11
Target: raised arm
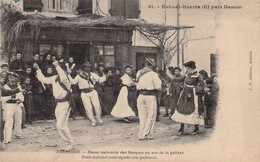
x=41, y=77
x=75, y=80
x=97, y=78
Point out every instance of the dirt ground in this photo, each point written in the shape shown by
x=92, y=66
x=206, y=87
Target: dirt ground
x=43, y=135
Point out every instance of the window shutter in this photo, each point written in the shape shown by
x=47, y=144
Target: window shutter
x=117, y=8
x=84, y=7
x=31, y=5
x=132, y=9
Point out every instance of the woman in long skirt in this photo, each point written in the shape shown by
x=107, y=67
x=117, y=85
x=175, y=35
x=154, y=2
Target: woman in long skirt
x=188, y=106
x=122, y=108
x=108, y=92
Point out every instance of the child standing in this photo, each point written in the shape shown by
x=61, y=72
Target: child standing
x=28, y=100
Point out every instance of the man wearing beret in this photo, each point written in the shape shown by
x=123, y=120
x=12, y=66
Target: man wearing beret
x=148, y=84
x=13, y=108
x=86, y=81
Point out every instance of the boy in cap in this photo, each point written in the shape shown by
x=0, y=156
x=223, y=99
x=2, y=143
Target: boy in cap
x=62, y=93
x=148, y=84
x=13, y=109
x=5, y=68
x=86, y=81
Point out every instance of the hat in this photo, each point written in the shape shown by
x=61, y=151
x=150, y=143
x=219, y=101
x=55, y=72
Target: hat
x=86, y=64
x=151, y=62
x=128, y=66
x=170, y=68
x=4, y=65
x=190, y=64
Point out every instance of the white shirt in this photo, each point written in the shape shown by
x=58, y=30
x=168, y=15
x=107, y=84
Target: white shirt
x=127, y=80
x=149, y=81
x=58, y=91
x=18, y=96
x=83, y=83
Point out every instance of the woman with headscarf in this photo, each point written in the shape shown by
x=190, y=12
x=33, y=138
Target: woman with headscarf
x=188, y=106
x=125, y=104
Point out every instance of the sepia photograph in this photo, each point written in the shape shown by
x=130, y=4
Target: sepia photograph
x=113, y=80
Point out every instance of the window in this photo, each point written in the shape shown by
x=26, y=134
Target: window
x=45, y=48
x=55, y=49
x=59, y=5
x=126, y=8
x=84, y=7
x=106, y=55
x=31, y=5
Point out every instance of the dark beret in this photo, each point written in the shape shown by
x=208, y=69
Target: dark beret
x=190, y=64
x=4, y=65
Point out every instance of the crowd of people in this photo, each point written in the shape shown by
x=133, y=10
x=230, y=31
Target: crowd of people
x=74, y=90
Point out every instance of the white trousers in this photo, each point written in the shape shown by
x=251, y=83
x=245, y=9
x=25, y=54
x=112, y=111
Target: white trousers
x=88, y=100
x=13, y=116
x=147, y=107
x=62, y=113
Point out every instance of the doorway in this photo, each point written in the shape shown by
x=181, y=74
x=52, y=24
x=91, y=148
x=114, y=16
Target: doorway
x=80, y=52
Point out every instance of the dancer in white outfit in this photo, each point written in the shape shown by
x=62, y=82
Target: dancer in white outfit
x=86, y=81
x=122, y=108
x=62, y=93
x=13, y=109
x=148, y=84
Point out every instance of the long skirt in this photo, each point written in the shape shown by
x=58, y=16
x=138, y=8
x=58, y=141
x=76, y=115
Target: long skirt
x=132, y=99
x=188, y=108
x=108, y=100
x=28, y=103
x=122, y=108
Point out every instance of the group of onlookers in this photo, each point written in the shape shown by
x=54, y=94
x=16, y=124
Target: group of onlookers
x=38, y=94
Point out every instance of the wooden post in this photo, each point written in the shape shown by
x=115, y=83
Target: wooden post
x=178, y=34
x=182, y=53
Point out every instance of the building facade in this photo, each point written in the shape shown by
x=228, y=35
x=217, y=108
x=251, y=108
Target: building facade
x=110, y=45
